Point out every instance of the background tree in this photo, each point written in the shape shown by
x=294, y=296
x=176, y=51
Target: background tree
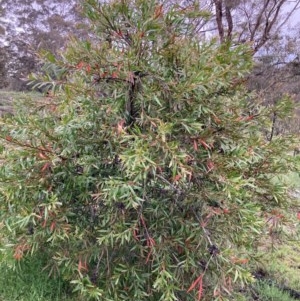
x=32, y=25
x=3, y=70
x=147, y=175
x=264, y=24
x=252, y=21
x=274, y=76
x=3, y=54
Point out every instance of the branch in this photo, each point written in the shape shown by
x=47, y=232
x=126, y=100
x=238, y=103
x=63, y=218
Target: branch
x=269, y=23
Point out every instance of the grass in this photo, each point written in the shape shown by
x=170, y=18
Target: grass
x=281, y=261
x=7, y=98
x=267, y=292
x=28, y=282
x=283, y=264
x=263, y=291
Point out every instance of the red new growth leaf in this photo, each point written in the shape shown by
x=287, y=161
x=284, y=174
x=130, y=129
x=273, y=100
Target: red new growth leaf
x=44, y=223
x=43, y=156
x=52, y=226
x=80, y=65
x=158, y=11
x=82, y=266
x=119, y=33
x=195, y=145
x=249, y=118
x=193, y=284
x=298, y=215
x=239, y=260
x=198, y=282
x=114, y=75
x=200, y=289
x=19, y=251
x=216, y=119
x=120, y=126
x=135, y=233
x=176, y=178
x=46, y=166
x=88, y=68
x=103, y=75
x=210, y=165
x=151, y=242
x=206, y=146
x=18, y=255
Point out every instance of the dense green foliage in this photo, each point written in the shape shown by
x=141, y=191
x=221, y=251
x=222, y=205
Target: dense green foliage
x=147, y=174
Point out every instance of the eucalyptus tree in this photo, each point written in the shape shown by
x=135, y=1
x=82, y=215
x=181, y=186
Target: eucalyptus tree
x=32, y=25
x=265, y=26
x=253, y=21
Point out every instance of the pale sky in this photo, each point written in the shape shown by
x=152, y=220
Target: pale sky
x=295, y=18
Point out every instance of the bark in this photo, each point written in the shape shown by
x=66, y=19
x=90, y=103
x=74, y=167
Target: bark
x=219, y=18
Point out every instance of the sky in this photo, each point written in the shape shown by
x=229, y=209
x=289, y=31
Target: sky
x=294, y=21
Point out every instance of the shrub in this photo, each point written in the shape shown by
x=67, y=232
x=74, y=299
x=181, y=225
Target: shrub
x=146, y=175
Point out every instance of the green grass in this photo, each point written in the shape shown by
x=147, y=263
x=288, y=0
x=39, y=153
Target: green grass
x=263, y=291
x=281, y=261
x=7, y=98
x=28, y=282
x=283, y=264
x=267, y=292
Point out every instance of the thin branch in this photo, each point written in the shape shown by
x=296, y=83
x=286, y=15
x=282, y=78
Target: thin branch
x=259, y=20
x=269, y=24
